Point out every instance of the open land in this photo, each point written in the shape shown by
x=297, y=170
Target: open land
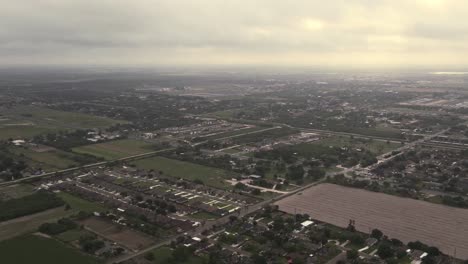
x=29, y=121
x=115, y=149
x=401, y=218
x=39, y=251
x=210, y=176
x=126, y=237
x=30, y=223
x=50, y=160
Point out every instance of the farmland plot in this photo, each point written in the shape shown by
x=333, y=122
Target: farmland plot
x=401, y=218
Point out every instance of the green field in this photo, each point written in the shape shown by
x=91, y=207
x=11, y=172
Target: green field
x=378, y=131
x=18, y=131
x=30, y=223
x=210, y=176
x=116, y=149
x=31, y=249
x=377, y=147
x=15, y=191
x=203, y=216
x=226, y=114
x=162, y=256
x=72, y=235
x=77, y=204
x=49, y=160
x=29, y=121
x=232, y=133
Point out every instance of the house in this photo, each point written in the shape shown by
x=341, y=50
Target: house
x=255, y=177
x=307, y=223
x=18, y=142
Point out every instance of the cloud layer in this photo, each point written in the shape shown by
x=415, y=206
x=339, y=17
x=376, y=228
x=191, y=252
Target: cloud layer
x=345, y=33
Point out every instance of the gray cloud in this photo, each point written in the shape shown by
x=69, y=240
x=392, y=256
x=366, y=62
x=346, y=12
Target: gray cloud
x=297, y=32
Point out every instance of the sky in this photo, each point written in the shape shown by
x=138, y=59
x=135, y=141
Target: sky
x=328, y=33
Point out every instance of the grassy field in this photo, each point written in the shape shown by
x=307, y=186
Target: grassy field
x=77, y=204
x=203, y=216
x=210, y=176
x=49, y=160
x=162, y=256
x=378, y=131
x=28, y=121
x=30, y=223
x=224, y=114
x=15, y=191
x=377, y=147
x=72, y=235
x=20, y=131
x=116, y=149
x=267, y=133
x=31, y=249
x=232, y=133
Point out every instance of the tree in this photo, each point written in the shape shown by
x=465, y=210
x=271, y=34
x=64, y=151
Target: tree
x=256, y=192
x=429, y=260
x=397, y=242
x=198, y=181
x=377, y=234
x=240, y=186
x=416, y=245
x=401, y=253
x=433, y=251
x=257, y=259
x=385, y=251
x=352, y=254
x=232, y=218
x=149, y=256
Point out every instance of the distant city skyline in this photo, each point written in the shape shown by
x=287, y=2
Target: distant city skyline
x=297, y=33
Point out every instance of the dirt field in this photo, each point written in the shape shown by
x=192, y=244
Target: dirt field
x=119, y=234
x=405, y=219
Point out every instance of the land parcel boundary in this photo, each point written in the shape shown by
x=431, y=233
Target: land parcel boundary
x=29, y=121
x=116, y=149
x=31, y=249
x=213, y=177
x=401, y=218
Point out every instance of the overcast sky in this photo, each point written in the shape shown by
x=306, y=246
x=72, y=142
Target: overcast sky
x=342, y=33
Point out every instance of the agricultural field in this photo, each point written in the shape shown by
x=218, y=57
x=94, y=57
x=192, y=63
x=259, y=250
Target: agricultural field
x=163, y=255
x=52, y=159
x=377, y=147
x=77, y=204
x=21, y=131
x=30, y=223
x=72, y=235
x=124, y=236
x=401, y=218
x=15, y=191
x=29, y=121
x=232, y=133
x=116, y=149
x=39, y=250
x=180, y=169
x=226, y=114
